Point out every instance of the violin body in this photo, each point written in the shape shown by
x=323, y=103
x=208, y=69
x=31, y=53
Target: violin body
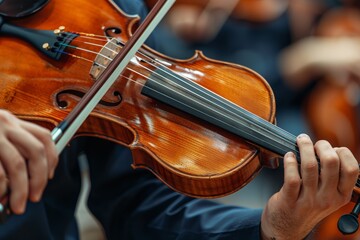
x=187, y=153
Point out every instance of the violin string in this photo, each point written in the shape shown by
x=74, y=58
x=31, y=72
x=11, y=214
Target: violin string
x=171, y=72
x=141, y=84
x=76, y=40
x=188, y=106
x=175, y=75
x=91, y=35
x=286, y=135
x=169, y=96
x=86, y=50
x=291, y=142
x=229, y=115
x=80, y=57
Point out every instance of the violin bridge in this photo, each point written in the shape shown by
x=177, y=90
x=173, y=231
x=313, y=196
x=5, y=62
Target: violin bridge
x=104, y=58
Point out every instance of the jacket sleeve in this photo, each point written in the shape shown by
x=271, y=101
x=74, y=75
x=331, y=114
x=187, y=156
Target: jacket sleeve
x=133, y=204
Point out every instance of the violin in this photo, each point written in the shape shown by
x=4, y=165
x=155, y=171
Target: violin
x=193, y=123
x=179, y=147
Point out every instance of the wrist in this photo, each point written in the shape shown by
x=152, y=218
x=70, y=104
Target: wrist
x=264, y=235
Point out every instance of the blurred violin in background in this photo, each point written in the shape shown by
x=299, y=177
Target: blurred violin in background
x=333, y=108
x=249, y=10
x=201, y=20
x=330, y=57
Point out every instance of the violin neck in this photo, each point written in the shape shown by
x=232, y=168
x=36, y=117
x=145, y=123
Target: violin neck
x=178, y=92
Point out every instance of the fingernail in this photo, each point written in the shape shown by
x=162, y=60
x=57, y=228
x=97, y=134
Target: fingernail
x=302, y=135
x=289, y=154
x=19, y=209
